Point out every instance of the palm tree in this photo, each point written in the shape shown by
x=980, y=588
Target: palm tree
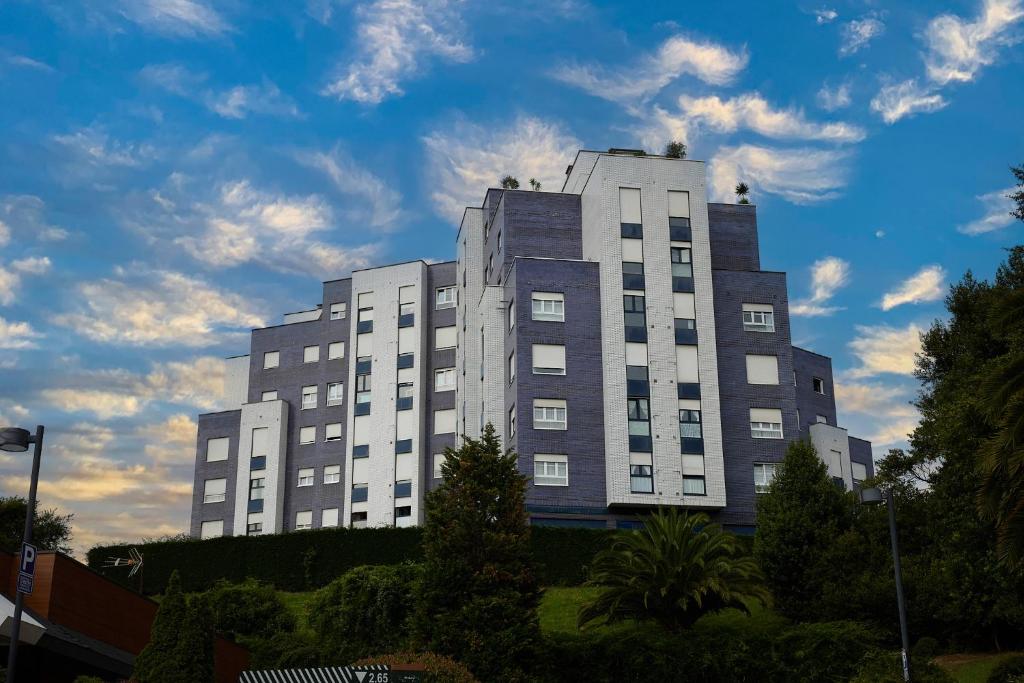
x=675, y=150
x=534, y=184
x=742, y=190
x=675, y=570
x=509, y=183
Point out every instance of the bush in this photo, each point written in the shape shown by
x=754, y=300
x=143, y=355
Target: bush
x=827, y=651
x=248, y=610
x=925, y=649
x=561, y=555
x=296, y=650
x=886, y=667
x=366, y=610
x=439, y=669
x=1010, y=671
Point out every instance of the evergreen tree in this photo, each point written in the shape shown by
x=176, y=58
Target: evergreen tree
x=50, y=530
x=478, y=597
x=797, y=520
x=180, y=648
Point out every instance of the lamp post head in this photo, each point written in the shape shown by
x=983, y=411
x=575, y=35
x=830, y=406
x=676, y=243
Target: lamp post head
x=871, y=496
x=15, y=439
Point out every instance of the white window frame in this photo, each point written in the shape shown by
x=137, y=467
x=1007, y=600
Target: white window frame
x=214, y=497
x=437, y=340
x=551, y=306
x=512, y=421
x=445, y=297
x=759, y=321
x=438, y=461
x=215, y=526
x=311, y=354
x=765, y=430
x=819, y=379
x=306, y=477
x=554, y=417
x=327, y=431
x=332, y=474
x=512, y=366
x=821, y=419
x=764, y=474
x=511, y=314
x=304, y=526
x=547, y=370
x=324, y=523
x=227, y=448
x=271, y=360
x=550, y=470
x=339, y=311
x=444, y=373
x=335, y=350
x=303, y=439
x=339, y=391
x=312, y=403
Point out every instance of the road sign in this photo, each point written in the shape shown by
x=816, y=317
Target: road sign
x=27, y=569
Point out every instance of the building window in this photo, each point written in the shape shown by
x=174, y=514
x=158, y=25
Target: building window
x=490, y=267
x=271, y=359
x=256, y=488
x=268, y=396
x=689, y=424
x=358, y=520
x=310, y=354
x=332, y=431
x=694, y=486
x=217, y=449
x=309, y=397
x=550, y=470
x=438, y=461
x=338, y=311
x=254, y=525
x=639, y=413
x=303, y=520
x=641, y=479
x=766, y=423
x=404, y=396
x=329, y=518
x=214, y=490
x=549, y=414
x=681, y=262
x=548, y=359
x=445, y=337
x=548, y=306
x=764, y=472
x=212, y=529
x=821, y=418
x=511, y=367
x=307, y=434
x=762, y=369
x=259, y=442
x=859, y=471
x=335, y=393
x=332, y=474
x=819, y=385
x=363, y=385
x=633, y=275
x=306, y=477
x=499, y=241
x=511, y=420
x=444, y=421
x=758, y=318
x=511, y=314
x=635, y=318
x=444, y=298
x=444, y=379
x=630, y=216
x=335, y=350
x=403, y=511
x=365, y=315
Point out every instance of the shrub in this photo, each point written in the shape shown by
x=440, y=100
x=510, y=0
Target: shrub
x=296, y=650
x=1010, y=671
x=925, y=649
x=366, y=610
x=827, y=651
x=248, y=610
x=439, y=669
x=180, y=649
x=886, y=667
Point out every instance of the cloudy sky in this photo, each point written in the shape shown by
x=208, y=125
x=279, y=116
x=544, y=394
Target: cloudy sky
x=176, y=172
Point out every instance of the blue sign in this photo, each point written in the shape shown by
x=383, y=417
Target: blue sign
x=27, y=570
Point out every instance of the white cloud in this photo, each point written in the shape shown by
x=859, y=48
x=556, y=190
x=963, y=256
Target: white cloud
x=24, y=215
x=677, y=56
x=832, y=99
x=94, y=147
x=467, y=158
x=895, y=101
x=827, y=276
x=882, y=349
x=171, y=442
x=9, y=283
x=176, y=18
x=998, y=206
x=925, y=285
x=102, y=404
x=237, y=102
x=858, y=33
x=29, y=63
x=17, y=335
x=957, y=49
x=879, y=234
x=385, y=203
x=887, y=408
x=799, y=175
x=5, y=234
x=158, y=308
x=825, y=15
x=754, y=112
x=34, y=265
x=10, y=280
x=394, y=38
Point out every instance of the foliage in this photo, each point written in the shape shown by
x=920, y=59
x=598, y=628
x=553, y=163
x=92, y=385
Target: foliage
x=479, y=593
x=678, y=568
x=437, y=668
x=1009, y=671
x=886, y=667
x=180, y=649
x=367, y=610
x=797, y=519
x=248, y=610
x=534, y=184
x=50, y=530
x=827, y=651
x=675, y=150
x=561, y=556
x=509, y=183
x=742, y=190
x=925, y=648
x=288, y=650
x=1018, y=195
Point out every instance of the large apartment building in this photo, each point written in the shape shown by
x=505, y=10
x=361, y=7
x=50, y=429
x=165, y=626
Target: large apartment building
x=620, y=335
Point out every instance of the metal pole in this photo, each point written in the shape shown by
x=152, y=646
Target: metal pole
x=890, y=502
x=12, y=652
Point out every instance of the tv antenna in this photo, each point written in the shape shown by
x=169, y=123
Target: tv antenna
x=133, y=562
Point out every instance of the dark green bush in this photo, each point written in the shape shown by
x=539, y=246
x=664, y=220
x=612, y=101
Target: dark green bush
x=284, y=560
x=295, y=650
x=882, y=666
x=438, y=668
x=251, y=609
x=1010, y=671
x=828, y=651
x=366, y=610
x=925, y=648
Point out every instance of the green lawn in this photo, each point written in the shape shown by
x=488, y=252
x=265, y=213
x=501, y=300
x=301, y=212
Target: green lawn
x=296, y=603
x=972, y=668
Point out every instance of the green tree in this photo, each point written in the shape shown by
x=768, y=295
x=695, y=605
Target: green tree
x=180, y=648
x=742, y=190
x=675, y=150
x=50, y=529
x=509, y=183
x=534, y=184
x=478, y=596
x=248, y=610
x=1018, y=195
x=675, y=570
x=797, y=520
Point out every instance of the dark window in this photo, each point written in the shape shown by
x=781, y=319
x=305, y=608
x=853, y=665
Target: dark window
x=358, y=517
x=632, y=230
x=637, y=383
x=681, y=262
x=253, y=528
x=679, y=229
x=403, y=489
x=632, y=275
x=641, y=479
x=686, y=331
x=360, y=494
x=819, y=385
x=404, y=511
x=406, y=360
x=639, y=424
x=635, y=311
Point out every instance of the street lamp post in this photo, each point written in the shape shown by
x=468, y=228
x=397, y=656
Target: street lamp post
x=16, y=440
x=874, y=496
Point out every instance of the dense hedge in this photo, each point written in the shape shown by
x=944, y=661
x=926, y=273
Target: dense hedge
x=311, y=559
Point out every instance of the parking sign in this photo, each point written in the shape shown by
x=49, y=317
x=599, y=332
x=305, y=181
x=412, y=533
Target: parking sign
x=27, y=570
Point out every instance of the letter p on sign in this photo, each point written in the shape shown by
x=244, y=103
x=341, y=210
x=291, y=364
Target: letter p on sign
x=28, y=559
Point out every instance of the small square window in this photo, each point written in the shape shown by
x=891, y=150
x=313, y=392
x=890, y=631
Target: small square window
x=444, y=379
x=271, y=359
x=444, y=298
x=310, y=354
x=548, y=306
x=819, y=385
x=332, y=431
x=764, y=472
x=332, y=474
x=269, y=396
x=338, y=311
x=550, y=470
x=306, y=477
x=303, y=520
x=309, y=397
x=549, y=414
x=214, y=490
x=335, y=393
x=821, y=418
x=329, y=518
x=335, y=350
x=307, y=434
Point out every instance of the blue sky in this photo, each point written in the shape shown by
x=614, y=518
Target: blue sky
x=175, y=172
